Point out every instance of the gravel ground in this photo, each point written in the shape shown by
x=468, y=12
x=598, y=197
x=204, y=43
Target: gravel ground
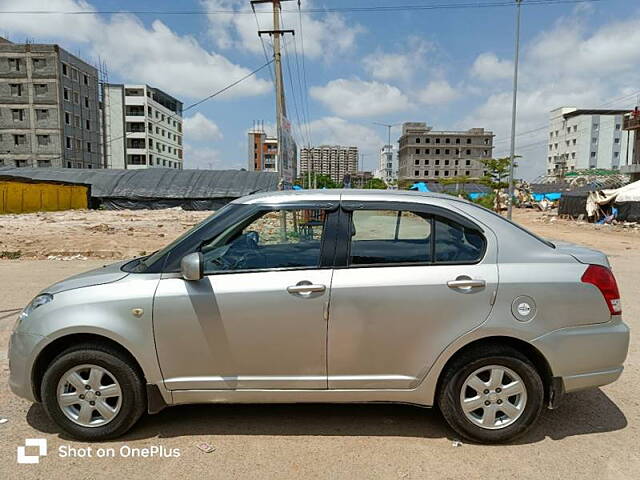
x=594, y=434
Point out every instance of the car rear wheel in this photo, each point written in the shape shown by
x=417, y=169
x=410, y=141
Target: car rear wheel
x=93, y=393
x=491, y=395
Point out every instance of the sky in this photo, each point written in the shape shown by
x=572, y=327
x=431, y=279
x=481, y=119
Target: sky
x=346, y=70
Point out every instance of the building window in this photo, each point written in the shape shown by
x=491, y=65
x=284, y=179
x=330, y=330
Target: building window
x=467, y=173
x=85, y=79
x=468, y=152
x=457, y=140
x=468, y=162
x=446, y=162
x=65, y=70
x=44, y=163
x=76, y=98
x=19, y=139
x=417, y=140
x=17, y=114
x=149, y=111
x=89, y=147
x=446, y=151
x=67, y=118
x=88, y=124
x=437, y=162
x=65, y=93
x=86, y=101
x=446, y=173
x=42, y=114
x=437, y=173
x=68, y=145
x=437, y=140
x=616, y=154
x=16, y=89
x=78, y=144
x=417, y=151
x=41, y=89
x=416, y=173
x=76, y=121
x=44, y=139
x=618, y=126
x=14, y=64
x=427, y=151
x=448, y=140
x=74, y=74
x=437, y=151
x=150, y=126
x=593, y=154
x=617, y=140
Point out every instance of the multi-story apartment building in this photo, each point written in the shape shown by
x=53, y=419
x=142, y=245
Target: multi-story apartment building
x=142, y=127
x=584, y=139
x=263, y=151
x=387, y=170
x=427, y=154
x=631, y=125
x=332, y=160
x=49, y=111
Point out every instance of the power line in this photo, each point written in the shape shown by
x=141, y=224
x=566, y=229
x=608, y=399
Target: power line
x=371, y=9
x=304, y=75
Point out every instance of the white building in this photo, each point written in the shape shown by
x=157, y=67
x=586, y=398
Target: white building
x=387, y=170
x=142, y=127
x=584, y=139
x=334, y=161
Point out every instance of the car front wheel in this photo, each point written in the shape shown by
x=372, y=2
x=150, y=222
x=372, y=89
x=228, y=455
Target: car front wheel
x=491, y=395
x=93, y=393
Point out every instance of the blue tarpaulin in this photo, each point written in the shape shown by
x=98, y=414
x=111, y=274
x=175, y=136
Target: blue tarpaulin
x=420, y=186
x=538, y=197
x=476, y=195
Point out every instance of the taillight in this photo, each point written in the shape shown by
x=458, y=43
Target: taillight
x=603, y=278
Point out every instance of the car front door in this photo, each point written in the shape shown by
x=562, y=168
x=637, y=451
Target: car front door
x=414, y=278
x=257, y=320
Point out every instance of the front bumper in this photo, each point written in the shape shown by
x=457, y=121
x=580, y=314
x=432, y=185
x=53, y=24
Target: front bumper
x=587, y=356
x=22, y=354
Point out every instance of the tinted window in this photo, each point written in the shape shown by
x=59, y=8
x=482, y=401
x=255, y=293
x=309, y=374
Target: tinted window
x=455, y=243
x=388, y=237
x=274, y=239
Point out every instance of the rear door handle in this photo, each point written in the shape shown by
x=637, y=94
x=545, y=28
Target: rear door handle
x=306, y=288
x=466, y=283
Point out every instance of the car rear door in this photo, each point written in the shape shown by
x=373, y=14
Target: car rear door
x=410, y=279
x=257, y=320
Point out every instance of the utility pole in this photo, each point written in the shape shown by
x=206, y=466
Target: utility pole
x=277, y=33
x=513, y=111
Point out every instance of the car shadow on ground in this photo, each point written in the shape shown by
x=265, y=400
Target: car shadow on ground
x=579, y=414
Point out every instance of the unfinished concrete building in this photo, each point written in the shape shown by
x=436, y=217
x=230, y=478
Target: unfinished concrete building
x=332, y=160
x=48, y=108
x=427, y=154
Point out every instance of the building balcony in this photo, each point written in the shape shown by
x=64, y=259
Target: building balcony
x=631, y=122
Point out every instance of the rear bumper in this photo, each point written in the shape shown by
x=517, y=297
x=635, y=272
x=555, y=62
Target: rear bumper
x=587, y=356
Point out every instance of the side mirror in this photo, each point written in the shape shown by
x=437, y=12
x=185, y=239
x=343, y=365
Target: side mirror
x=192, y=266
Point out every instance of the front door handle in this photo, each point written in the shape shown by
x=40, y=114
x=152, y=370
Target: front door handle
x=466, y=283
x=306, y=288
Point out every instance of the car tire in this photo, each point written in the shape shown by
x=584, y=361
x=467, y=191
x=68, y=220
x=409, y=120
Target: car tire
x=95, y=365
x=482, y=364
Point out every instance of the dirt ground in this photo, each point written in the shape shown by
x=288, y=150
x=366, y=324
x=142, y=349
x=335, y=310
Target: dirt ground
x=594, y=434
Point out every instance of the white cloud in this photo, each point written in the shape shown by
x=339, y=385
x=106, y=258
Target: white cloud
x=402, y=64
x=438, y=92
x=240, y=30
x=568, y=65
x=200, y=128
x=155, y=55
x=207, y=158
x=358, y=98
x=488, y=67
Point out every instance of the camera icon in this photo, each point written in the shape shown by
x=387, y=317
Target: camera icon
x=41, y=443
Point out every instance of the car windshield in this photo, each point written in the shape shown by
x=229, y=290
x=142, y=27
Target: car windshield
x=142, y=264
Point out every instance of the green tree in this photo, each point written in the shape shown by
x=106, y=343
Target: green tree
x=375, y=184
x=496, y=178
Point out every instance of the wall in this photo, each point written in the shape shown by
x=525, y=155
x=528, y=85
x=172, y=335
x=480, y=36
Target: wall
x=22, y=197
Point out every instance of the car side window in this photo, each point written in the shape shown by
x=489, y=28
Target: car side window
x=270, y=240
x=389, y=237
x=456, y=243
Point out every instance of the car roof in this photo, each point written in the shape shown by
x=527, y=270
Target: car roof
x=337, y=194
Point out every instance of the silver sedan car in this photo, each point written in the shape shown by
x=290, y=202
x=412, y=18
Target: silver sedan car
x=328, y=296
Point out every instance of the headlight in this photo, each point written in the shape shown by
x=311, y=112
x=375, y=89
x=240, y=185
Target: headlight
x=35, y=303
